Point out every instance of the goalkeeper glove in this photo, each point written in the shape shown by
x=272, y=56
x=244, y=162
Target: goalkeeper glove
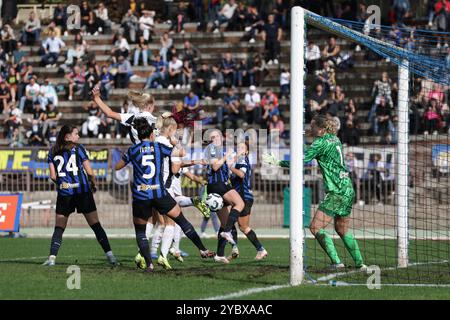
x=270, y=159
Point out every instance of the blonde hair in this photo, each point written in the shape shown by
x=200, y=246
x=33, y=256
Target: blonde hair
x=141, y=100
x=165, y=121
x=329, y=124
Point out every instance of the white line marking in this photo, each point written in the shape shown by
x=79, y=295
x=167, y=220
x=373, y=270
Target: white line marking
x=247, y=292
x=23, y=259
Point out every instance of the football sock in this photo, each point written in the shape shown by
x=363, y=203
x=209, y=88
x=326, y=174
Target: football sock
x=215, y=221
x=148, y=230
x=56, y=240
x=101, y=236
x=142, y=242
x=234, y=234
x=189, y=231
x=232, y=219
x=156, y=239
x=352, y=247
x=177, y=238
x=221, y=244
x=204, y=224
x=251, y=235
x=167, y=239
x=327, y=244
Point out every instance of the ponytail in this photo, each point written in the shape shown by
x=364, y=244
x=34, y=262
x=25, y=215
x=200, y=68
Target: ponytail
x=61, y=144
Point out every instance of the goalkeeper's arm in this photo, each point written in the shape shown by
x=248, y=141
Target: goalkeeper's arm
x=270, y=159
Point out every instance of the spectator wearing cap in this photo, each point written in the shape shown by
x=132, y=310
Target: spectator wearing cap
x=253, y=106
x=31, y=93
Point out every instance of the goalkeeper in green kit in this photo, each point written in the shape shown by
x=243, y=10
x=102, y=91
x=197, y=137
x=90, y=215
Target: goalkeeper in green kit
x=338, y=201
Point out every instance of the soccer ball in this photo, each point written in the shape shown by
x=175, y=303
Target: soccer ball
x=214, y=202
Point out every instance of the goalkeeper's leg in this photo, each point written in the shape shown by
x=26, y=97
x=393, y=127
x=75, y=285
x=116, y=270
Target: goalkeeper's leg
x=317, y=228
x=341, y=226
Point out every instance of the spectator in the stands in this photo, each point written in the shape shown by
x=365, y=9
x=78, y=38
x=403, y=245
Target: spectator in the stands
x=158, y=74
x=14, y=119
x=437, y=94
x=5, y=97
x=336, y=101
x=257, y=69
x=268, y=111
x=39, y=114
x=202, y=79
x=281, y=13
x=91, y=79
x=90, y=127
x=242, y=78
x=178, y=20
x=102, y=14
x=318, y=101
x=383, y=88
x=93, y=25
x=192, y=102
x=106, y=82
x=130, y=24
x=85, y=12
x=230, y=115
x=76, y=81
x=12, y=80
x=187, y=74
x=269, y=97
x=52, y=117
x=229, y=70
x=277, y=124
x=25, y=74
x=52, y=49
x=18, y=54
x=402, y=10
x=225, y=14
x=285, y=83
x=326, y=76
x=32, y=30
x=331, y=51
x=216, y=82
x=199, y=13
x=272, y=34
x=121, y=47
x=31, y=93
x=175, y=73
x=36, y=138
x=253, y=106
x=147, y=23
x=124, y=73
x=166, y=44
x=16, y=140
x=8, y=39
x=52, y=135
x=312, y=57
x=350, y=133
x=141, y=50
x=383, y=120
x=432, y=117
x=104, y=128
x=254, y=23
x=50, y=29
x=191, y=53
x=239, y=20
x=122, y=130
x=60, y=17
x=48, y=94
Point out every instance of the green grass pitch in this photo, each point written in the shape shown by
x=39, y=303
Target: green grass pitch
x=23, y=277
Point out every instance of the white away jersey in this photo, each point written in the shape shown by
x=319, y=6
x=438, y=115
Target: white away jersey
x=127, y=120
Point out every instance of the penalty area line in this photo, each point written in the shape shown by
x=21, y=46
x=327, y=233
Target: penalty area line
x=246, y=292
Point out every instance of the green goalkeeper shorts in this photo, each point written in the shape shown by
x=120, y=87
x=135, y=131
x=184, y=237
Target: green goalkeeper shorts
x=338, y=205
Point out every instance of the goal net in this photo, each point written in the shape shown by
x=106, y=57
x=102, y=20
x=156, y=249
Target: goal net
x=387, y=88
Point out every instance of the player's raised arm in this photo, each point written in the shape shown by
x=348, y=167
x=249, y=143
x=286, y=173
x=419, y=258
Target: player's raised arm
x=103, y=106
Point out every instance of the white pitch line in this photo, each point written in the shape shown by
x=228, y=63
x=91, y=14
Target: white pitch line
x=247, y=292
x=23, y=259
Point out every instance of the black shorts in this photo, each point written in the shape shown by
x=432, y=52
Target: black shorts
x=143, y=208
x=82, y=202
x=247, y=208
x=220, y=188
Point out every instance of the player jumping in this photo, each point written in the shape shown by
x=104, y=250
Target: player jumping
x=339, y=197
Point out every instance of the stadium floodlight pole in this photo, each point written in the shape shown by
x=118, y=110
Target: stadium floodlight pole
x=402, y=165
x=296, y=152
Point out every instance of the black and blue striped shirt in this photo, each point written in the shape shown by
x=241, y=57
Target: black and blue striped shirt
x=222, y=174
x=70, y=176
x=243, y=186
x=147, y=159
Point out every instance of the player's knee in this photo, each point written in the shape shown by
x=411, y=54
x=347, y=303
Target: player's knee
x=245, y=229
x=313, y=228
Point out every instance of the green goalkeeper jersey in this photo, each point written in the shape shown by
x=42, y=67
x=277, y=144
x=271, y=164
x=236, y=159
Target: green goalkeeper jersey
x=327, y=150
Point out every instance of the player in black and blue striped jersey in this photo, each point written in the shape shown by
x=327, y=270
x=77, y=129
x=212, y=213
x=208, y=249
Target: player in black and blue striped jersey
x=241, y=175
x=72, y=173
x=149, y=191
x=218, y=182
